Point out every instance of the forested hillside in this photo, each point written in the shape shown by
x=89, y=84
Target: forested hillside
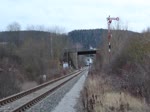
x=92, y=37
x=87, y=38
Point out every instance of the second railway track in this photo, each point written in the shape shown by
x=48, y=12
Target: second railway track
x=24, y=100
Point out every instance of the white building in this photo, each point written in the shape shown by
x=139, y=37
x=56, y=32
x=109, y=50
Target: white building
x=88, y=61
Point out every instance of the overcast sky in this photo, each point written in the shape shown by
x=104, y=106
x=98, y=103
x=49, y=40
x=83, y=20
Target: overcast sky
x=75, y=14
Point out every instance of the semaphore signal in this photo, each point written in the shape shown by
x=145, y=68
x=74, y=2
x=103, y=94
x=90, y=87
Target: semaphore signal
x=109, y=21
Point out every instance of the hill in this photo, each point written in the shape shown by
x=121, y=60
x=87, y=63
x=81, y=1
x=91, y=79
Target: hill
x=17, y=37
x=93, y=37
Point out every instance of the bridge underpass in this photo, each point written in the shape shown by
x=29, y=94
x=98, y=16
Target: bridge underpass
x=72, y=56
x=86, y=52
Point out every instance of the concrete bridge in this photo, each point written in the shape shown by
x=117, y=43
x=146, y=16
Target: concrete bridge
x=72, y=55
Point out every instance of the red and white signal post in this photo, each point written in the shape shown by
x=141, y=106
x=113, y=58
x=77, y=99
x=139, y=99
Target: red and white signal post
x=109, y=21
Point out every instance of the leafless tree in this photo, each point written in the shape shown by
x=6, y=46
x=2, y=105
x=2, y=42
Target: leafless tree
x=15, y=26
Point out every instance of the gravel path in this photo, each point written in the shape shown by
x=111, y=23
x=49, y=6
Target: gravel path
x=69, y=101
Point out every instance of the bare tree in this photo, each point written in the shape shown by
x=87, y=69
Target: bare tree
x=36, y=28
x=14, y=27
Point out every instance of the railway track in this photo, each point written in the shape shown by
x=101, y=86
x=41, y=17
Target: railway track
x=26, y=99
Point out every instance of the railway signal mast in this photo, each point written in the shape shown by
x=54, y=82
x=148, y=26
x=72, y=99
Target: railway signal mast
x=109, y=21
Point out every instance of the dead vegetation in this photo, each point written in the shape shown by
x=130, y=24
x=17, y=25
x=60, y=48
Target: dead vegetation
x=29, y=59
x=121, y=84
x=99, y=95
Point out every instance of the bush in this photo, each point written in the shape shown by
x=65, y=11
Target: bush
x=9, y=84
x=130, y=61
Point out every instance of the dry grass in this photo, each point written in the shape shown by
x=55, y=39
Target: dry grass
x=100, y=96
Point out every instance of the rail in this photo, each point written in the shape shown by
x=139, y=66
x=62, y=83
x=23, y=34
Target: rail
x=36, y=99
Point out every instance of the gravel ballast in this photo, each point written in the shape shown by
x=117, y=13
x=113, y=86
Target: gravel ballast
x=13, y=105
x=68, y=103
x=51, y=101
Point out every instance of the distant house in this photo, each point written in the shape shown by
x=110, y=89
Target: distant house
x=88, y=61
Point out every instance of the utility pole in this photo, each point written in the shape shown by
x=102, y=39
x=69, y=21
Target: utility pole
x=109, y=21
